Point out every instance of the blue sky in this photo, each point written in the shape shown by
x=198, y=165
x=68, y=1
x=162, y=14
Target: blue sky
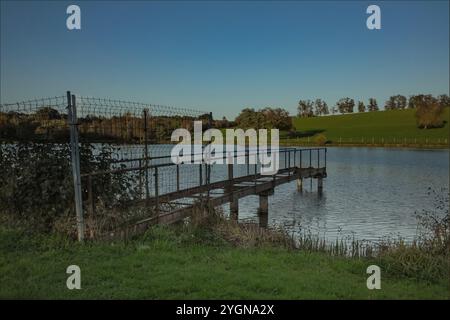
x=223, y=56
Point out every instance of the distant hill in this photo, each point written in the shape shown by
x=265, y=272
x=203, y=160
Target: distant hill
x=393, y=126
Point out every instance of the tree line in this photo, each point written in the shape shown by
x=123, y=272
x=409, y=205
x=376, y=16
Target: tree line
x=429, y=109
x=47, y=124
x=318, y=107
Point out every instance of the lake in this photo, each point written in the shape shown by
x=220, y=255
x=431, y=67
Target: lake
x=369, y=194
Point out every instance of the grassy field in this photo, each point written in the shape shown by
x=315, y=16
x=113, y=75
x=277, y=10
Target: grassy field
x=166, y=265
x=382, y=127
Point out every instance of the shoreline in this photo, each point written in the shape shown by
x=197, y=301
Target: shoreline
x=363, y=145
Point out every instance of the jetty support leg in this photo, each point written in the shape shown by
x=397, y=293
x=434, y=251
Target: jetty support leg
x=320, y=184
x=263, y=210
x=299, y=184
x=234, y=207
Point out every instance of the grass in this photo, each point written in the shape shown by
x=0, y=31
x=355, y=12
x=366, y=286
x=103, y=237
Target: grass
x=382, y=127
x=175, y=263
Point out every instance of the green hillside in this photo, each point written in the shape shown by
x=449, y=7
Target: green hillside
x=382, y=127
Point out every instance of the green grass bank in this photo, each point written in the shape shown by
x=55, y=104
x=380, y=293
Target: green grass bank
x=167, y=263
x=388, y=128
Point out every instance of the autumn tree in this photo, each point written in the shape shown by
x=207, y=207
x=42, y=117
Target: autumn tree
x=305, y=108
x=428, y=112
x=277, y=118
x=249, y=118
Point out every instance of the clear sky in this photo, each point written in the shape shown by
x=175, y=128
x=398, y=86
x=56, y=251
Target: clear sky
x=223, y=56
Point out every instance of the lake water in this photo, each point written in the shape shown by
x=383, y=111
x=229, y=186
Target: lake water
x=369, y=194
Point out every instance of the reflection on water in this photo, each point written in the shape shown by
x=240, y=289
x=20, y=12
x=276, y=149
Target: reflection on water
x=369, y=193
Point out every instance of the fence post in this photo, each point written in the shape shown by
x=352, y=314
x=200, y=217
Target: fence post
x=75, y=159
x=147, y=191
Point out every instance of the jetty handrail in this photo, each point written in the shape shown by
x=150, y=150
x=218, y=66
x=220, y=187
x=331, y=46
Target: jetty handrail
x=224, y=157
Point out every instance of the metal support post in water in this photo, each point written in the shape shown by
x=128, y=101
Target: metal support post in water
x=263, y=210
x=263, y=203
x=320, y=184
x=299, y=185
x=72, y=112
x=234, y=207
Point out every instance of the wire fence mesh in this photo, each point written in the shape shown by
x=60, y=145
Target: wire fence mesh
x=115, y=153
x=117, y=143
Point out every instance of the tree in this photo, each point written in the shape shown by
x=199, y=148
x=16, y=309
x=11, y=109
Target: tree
x=373, y=106
x=345, y=105
x=321, y=107
x=444, y=100
x=396, y=102
x=277, y=118
x=401, y=102
x=420, y=99
x=47, y=113
x=305, y=108
x=249, y=118
x=361, y=107
x=333, y=110
x=429, y=112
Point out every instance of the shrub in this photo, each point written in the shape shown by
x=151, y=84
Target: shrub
x=320, y=139
x=428, y=112
x=37, y=184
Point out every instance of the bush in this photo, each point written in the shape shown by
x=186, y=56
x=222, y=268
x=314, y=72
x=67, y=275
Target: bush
x=37, y=184
x=320, y=139
x=428, y=112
